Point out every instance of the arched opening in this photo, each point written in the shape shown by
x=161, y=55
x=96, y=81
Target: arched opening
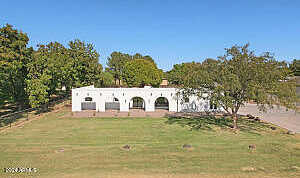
x=161, y=103
x=137, y=103
x=113, y=105
x=88, y=104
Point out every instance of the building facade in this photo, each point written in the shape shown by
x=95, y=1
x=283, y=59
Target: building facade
x=147, y=98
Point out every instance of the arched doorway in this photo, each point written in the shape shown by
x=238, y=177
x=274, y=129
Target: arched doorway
x=113, y=105
x=161, y=103
x=88, y=104
x=137, y=103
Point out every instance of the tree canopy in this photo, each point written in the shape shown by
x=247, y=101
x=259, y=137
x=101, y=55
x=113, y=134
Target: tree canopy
x=85, y=60
x=240, y=76
x=179, y=72
x=14, y=56
x=53, y=66
x=29, y=76
x=116, y=64
x=141, y=72
x=106, y=80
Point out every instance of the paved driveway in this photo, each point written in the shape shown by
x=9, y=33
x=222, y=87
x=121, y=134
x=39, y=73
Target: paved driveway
x=286, y=119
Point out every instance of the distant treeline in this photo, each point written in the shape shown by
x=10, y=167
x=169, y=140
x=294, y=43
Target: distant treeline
x=30, y=77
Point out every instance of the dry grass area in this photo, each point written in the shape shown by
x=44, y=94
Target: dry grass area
x=61, y=146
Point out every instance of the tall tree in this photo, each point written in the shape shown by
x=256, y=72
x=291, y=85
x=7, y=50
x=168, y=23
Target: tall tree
x=46, y=73
x=240, y=76
x=14, y=56
x=141, y=72
x=86, y=69
x=116, y=63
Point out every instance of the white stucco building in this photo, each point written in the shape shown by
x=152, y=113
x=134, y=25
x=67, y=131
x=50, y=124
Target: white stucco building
x=147, y=98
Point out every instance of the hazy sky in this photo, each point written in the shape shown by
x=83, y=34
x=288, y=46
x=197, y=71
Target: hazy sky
x=170, y=31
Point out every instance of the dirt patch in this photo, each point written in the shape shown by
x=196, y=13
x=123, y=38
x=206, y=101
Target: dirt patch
x=113, y=113
x=248, y=169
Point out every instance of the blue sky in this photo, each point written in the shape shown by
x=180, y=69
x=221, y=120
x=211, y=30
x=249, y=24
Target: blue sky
x=169, y=31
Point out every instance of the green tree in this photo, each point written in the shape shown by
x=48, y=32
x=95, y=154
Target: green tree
x=106, y=80
x=177, y=74
x=54, y=66
x=147, y=57
x=45, y=73
x=240, y=76
x=295, y=67
x=38, y=88
x=14, y=56
x=141, y=72
x=85, y=67
x=116, y=63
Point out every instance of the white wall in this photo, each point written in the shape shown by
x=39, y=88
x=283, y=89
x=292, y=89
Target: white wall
x=124, y=95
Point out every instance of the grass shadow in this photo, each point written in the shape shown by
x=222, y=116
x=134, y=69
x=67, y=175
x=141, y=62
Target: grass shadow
x=211, y=122
x=11, y=119
x=8, y=108
x=50, y=106
x=254, y=125
x=196, y=123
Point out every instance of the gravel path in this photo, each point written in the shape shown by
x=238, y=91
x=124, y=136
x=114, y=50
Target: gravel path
x=286, y=119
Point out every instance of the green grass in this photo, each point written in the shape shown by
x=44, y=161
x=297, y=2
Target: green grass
x=93, y=148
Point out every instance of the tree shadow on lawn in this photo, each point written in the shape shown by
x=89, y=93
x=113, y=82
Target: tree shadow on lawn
x=210, y=122
x=49, y=107
x=8, y=108
x=24, y=114
x=11, y=119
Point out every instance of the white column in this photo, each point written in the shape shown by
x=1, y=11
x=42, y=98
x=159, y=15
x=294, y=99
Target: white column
x=124, y=104
x=173, y=105
x=76, y=101
x=149, y=104
x=100, y=105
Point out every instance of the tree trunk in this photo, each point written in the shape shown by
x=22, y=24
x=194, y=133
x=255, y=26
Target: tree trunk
x=45, y=107
x=235, y=118
x=20, y=105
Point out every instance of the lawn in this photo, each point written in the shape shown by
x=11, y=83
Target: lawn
x=60, y=146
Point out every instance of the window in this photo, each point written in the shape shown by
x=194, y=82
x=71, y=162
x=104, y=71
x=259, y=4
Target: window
x=88, y=99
